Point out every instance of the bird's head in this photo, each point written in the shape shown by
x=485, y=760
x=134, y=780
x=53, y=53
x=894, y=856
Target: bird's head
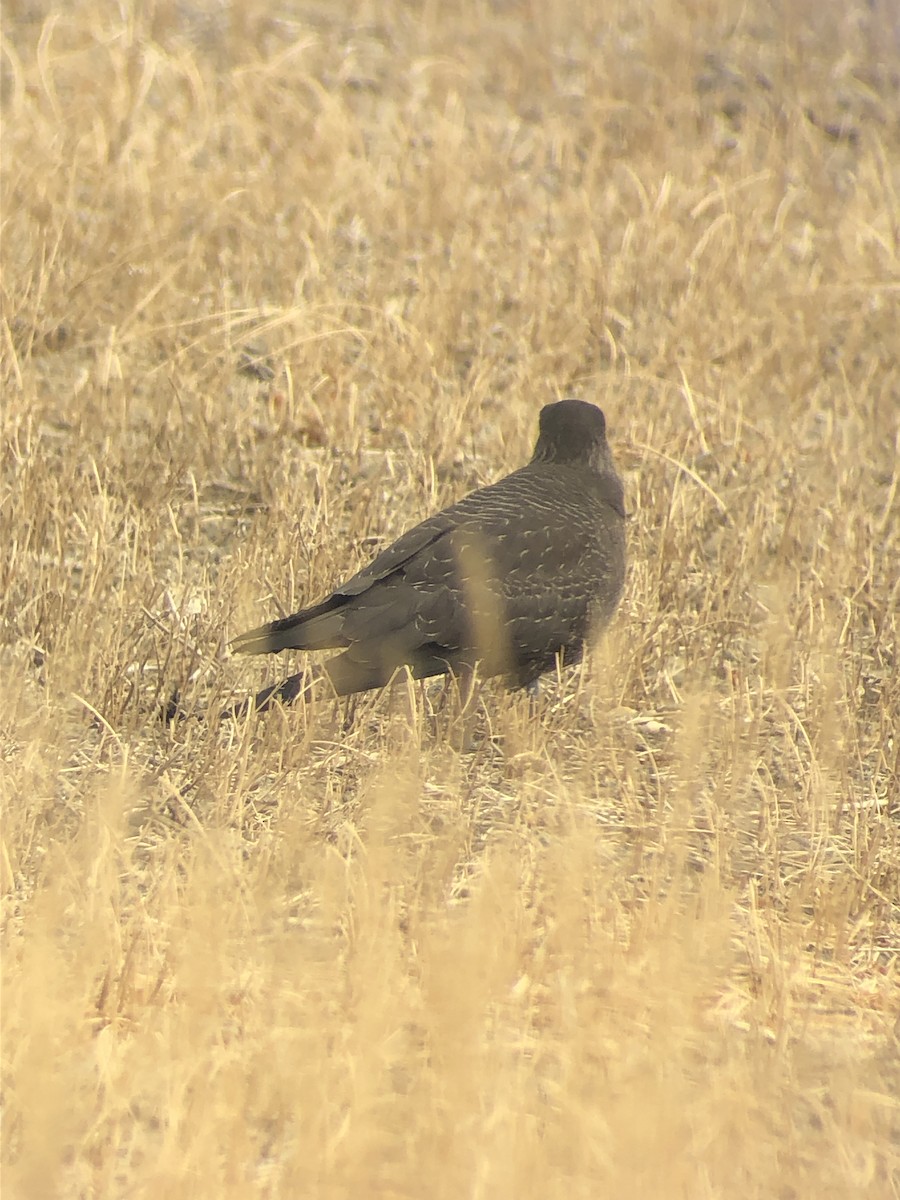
x=573, y=432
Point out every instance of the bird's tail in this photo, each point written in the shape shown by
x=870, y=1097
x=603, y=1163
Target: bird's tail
x=267, y=639
x=317, y=628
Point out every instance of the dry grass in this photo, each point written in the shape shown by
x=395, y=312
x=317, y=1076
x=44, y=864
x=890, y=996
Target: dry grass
x=643, y=941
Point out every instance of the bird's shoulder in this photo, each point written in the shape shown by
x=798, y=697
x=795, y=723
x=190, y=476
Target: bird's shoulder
x=541, y=488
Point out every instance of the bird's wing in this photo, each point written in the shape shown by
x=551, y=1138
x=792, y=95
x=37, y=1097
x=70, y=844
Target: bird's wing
x=373, y=602
x=398, y=554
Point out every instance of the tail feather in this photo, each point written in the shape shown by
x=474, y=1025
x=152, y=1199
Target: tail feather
x=258, y=641
x=309, y=630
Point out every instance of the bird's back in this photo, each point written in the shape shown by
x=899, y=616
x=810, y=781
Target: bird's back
x=554, y=543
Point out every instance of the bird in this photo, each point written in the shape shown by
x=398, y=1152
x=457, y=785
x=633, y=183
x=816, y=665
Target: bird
x=510, y=580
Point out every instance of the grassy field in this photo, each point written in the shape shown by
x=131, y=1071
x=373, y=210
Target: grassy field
x=280, y=279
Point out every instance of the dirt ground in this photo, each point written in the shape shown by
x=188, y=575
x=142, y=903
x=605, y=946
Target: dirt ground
x=279, y=280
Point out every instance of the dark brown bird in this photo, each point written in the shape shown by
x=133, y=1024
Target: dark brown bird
x=510, y=577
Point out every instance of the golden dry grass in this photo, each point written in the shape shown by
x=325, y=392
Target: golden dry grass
x=642, y=942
